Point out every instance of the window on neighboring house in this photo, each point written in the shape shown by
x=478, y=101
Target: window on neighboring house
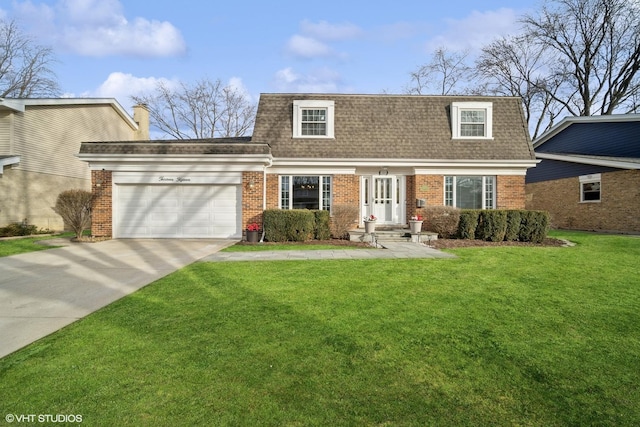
x=472, y=120
x=305, y=192
x=470, y=192
x=313, y=119
x=590, y=188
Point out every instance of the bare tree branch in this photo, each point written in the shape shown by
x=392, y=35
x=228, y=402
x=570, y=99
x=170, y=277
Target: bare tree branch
x=442, y=75
x=206, y=109
x=25, y=67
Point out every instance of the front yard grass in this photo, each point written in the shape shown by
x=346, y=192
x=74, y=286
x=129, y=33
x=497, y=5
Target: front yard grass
x=22, y=245
x=528, y=336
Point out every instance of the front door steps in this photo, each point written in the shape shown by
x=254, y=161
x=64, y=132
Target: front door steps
x=384, y=234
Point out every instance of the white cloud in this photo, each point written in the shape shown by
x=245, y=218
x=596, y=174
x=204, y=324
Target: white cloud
x=323, y=30
x=100, y=28
x=322, y=80
x=311, y=42
x=123, y=86
x=476, y=30
x=307, y=47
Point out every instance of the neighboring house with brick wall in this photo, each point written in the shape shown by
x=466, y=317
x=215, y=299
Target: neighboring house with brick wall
x=387, y=155
x=39, y=143
x=589, y=173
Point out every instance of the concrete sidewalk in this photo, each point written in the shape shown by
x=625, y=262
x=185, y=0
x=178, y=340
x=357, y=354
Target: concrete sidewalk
x=394, y=250
x=41, y=292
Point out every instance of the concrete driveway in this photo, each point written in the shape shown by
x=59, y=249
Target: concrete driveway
x=40, y=292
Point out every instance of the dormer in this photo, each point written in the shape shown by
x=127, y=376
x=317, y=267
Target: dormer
x=313, y=119
x=472, y=120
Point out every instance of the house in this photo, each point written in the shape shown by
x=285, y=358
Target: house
x=39, y=143
x=589, y=173
x=389, y=155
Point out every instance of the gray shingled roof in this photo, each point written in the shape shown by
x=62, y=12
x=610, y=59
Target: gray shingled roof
x=241, y=145
x=393, y=127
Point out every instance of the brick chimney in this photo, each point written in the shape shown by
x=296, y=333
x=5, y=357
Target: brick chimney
x=141, y=117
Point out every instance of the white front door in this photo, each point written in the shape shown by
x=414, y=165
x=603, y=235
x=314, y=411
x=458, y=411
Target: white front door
x=383, y=196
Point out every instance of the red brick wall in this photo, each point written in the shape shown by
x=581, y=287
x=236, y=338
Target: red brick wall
x=102, y=209
x=252, y=198
x=427, y=187
x=618, y=209
x=511, y=192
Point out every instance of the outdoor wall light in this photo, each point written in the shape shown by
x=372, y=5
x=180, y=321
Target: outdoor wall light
x=252, y=184
x=383, y=171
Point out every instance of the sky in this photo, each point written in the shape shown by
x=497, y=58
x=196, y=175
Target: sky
x=122, y=48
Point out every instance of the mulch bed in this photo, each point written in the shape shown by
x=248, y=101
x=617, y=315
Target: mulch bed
x=437, y=244
x=464, y=243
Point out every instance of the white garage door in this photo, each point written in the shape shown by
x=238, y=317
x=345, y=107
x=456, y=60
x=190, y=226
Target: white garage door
x=170, y=211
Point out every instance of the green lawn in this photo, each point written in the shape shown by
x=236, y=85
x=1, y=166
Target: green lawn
x=26, y=244
x=499, y=336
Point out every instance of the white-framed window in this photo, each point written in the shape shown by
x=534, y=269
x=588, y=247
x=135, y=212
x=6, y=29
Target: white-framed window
x=472, y=120
x=313, y=119
x=305, y=192
x=470, y=192
x=590, y=187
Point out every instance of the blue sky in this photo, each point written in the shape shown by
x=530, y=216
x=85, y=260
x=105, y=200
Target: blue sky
x=119, y=48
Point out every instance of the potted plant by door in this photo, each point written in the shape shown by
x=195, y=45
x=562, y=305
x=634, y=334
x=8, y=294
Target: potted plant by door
x=253, y=233
x=415, y=224
x=370, y=224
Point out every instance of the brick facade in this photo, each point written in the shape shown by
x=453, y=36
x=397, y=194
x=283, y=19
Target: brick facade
x=345, y=191
x=252, y=198
x=618, y=209
x=102, y=208
x=510, y=192
x=427, y=187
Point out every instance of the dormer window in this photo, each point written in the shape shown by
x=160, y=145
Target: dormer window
x=472, y=120
x=313, y=119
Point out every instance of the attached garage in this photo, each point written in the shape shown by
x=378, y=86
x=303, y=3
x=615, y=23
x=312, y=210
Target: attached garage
x=208, y=188
x=175, y=211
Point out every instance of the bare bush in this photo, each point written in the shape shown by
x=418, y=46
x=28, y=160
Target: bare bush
x=343, y=219
x=74, y=206
x=442, y=220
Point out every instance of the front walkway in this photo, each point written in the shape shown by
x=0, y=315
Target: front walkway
x=397, y=250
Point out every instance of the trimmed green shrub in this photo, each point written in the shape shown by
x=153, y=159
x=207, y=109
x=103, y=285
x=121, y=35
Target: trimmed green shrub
x=442, y=220
x=323, y=225
x=18, y=229
x=533, y=226
x=468, y=223
x=296, y=225
x=492, y=225
x=513, y=225
x=275, y=225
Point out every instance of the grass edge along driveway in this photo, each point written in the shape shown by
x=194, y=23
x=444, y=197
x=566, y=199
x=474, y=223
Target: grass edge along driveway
x=499, y=336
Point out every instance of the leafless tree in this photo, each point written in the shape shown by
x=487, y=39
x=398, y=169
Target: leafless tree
x=515, y=66
x=206, y=109
x=443, y=75
x=594, y=50
x=25, y=67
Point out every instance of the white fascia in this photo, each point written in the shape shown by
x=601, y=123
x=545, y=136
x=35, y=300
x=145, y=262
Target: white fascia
x=620, y=164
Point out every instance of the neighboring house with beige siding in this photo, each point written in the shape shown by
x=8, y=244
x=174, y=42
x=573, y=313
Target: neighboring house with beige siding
x=39, y=143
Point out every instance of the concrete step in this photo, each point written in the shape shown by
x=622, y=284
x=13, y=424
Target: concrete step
x=391, y=235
